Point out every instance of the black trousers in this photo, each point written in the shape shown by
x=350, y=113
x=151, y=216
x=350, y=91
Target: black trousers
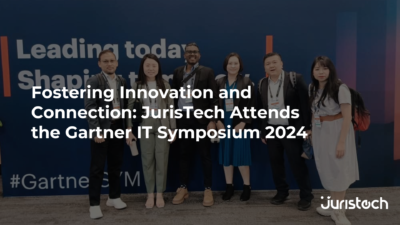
x=188, y=146
x=293, y=149
x=112, y=151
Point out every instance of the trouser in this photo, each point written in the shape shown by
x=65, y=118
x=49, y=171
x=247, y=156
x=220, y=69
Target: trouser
x=293, y=149
x=154, y=153
x=188, y=146
x=112, y=151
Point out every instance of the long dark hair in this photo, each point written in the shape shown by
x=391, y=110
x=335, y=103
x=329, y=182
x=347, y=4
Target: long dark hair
x=332, y=85
x=142, y=79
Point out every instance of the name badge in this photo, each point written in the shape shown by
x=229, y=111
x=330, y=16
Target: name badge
x=188, y=97
x=229, y=104
x=154, y=109
x=317, y=121
x=275, y=104
x=115, y=111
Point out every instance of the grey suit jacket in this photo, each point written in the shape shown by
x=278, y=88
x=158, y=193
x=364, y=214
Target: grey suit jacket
x=95, y=103
x=168, y=122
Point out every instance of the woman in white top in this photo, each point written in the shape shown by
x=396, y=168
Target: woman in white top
x=154, y=150
x=332, y=135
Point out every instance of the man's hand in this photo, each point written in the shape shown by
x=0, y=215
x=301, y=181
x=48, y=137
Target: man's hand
x=308, y=134
x=99, y=140
x=264, y=141
x=220, y=125
x=211, y=125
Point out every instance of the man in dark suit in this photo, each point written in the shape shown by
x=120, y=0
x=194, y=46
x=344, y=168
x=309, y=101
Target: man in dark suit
x=201, y=78
x=278, y=91
x=106, y=149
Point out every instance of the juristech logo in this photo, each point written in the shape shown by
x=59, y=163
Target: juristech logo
x=357, y=203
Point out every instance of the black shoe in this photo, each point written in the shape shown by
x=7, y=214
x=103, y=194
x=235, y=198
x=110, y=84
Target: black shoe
x=304, y=205
x=246, y=193
x=228, y=192
x=279, y=199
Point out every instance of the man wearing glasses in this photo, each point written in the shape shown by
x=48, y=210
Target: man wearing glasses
x=197, y=77
x=106, y=149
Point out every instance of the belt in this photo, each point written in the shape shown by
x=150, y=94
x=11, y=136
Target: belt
x=331, y=118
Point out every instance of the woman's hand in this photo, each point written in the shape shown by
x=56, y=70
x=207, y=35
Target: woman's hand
x=239, y=127
x=340, y=150
x=169, y=137
x=130, y=138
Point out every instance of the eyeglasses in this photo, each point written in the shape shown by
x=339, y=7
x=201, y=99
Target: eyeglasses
x=192, y=52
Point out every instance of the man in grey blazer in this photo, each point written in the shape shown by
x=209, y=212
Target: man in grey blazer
x=105, y=149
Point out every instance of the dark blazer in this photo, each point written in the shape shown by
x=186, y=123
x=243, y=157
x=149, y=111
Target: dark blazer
x=242, y=83
x=204, y=79
x=95, y=103
x=295, y=97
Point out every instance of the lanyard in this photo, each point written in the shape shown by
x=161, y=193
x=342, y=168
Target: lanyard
x=279, y=88
x=191, y=80
x=232, y=86
x=147, y=88
x=116, y=95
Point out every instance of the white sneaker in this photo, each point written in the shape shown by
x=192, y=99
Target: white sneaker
x=117, y=203
x=324, y=212
x=339, y=216
x=95, y=212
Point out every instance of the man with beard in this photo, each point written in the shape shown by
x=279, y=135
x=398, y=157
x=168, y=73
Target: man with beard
x=201, y=78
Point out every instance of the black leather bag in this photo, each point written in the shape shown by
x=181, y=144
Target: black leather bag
x=308, y=150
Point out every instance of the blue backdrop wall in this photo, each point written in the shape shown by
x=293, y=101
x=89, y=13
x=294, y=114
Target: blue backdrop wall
x=55, y=44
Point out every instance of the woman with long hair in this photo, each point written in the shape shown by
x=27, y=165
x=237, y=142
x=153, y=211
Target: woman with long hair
x=154, y=150
x=332, y=135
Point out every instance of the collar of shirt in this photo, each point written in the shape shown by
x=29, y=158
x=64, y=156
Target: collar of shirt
x=193, y=68
x=281, y=77
x=109, y=77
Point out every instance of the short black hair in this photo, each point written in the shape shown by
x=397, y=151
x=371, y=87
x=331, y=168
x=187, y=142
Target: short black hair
x=270, y=55
x=192, y=44
x=104, y=52
x=233, y=54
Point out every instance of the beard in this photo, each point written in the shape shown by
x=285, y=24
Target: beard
x=109, y=73
x=188, y=61
x=191, y=63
